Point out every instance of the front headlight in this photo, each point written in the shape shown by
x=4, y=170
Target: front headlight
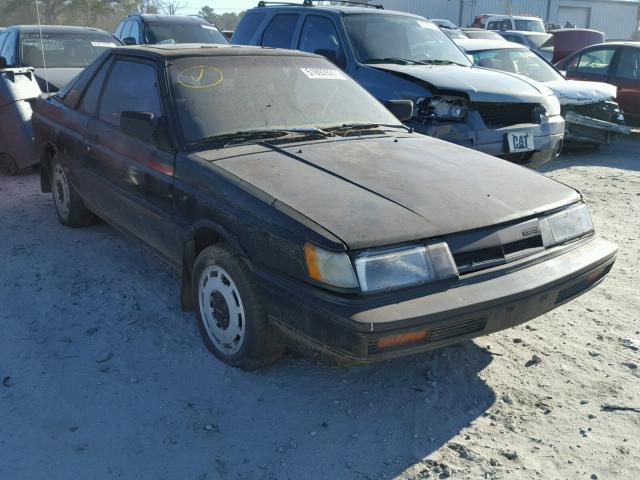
x=570, y=223
x=442, y=108
x=552, y=105
x=401, y=267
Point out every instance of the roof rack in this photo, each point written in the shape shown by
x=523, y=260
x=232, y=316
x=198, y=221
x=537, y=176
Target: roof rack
x=305, y=3
x=309, y=3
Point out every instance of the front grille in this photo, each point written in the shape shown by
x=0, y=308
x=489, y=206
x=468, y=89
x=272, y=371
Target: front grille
x=459, y=329
x=504, y=114
x=605, y=110
x=487, y=257
x=579, y=287
x=446, y=331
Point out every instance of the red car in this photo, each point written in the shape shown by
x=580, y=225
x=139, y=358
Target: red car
x=617, y=63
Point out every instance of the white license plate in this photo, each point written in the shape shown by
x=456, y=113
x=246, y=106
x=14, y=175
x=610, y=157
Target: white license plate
x=520, y=142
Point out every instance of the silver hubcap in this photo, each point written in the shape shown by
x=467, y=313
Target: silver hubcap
x=221, y=309
x=61, y=191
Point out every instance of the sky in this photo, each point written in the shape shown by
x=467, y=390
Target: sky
x=219, y=6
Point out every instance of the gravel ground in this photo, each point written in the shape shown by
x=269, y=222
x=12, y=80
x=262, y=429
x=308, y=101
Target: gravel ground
x=104, y=376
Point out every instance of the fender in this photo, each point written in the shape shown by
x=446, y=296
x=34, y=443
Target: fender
x=190, y=252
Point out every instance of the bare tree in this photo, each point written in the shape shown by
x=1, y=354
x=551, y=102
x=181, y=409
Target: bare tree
x=171, y=7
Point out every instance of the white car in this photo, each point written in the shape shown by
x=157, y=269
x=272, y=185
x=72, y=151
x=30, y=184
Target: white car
x=592, y=117
x=521, y=23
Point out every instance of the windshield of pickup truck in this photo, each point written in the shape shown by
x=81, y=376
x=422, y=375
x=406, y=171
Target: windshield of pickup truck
x=183, y=32
x=64, y=50
x=220, y=95
x=517, y=60
x=384, y=37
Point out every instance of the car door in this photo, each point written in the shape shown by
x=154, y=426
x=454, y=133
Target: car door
x=136, y=175
x=626, y=76
x=594, y=64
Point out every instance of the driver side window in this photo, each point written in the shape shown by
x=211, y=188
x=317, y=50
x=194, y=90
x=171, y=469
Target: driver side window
x=320, y=36
x=131, y=86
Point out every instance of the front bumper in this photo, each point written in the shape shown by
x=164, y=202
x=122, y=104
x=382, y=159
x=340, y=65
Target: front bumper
x=548, y=137
x=582, y=129
x=345, y=329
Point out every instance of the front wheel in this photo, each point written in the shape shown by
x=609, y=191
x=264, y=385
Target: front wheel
x=229, y=311
x=69, y=205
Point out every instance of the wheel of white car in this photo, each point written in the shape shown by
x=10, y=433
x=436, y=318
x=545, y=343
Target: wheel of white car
x=229, y=311
x=69, y=206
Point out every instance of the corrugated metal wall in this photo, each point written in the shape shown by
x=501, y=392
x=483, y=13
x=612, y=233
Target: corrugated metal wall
x=617, y=20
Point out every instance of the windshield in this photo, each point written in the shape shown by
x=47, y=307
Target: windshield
x=63, y=50
x=219, y=95
x=183, y=32
x=521, y=61
x=539, y=40
x=377, y=37
x=529, y=25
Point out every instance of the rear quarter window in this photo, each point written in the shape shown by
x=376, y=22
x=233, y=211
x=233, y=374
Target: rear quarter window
x=248, y=26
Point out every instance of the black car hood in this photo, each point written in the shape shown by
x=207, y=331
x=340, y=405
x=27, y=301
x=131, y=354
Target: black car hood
x=381, y=191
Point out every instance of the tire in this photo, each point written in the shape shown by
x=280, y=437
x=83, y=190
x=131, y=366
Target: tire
x=229, y=311
x=69, y=206
x=8, y=166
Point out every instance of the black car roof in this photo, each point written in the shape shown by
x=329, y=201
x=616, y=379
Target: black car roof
x=205, y=49
x=57, y=29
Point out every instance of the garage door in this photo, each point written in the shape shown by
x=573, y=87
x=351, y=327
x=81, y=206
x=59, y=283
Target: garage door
x=578, y=16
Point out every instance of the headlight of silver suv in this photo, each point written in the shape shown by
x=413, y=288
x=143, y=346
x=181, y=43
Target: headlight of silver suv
x=442, y=108
x=565, y=225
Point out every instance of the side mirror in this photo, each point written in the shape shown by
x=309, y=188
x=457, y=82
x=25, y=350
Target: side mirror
x=142, y=125
x=147, y=127
x=3, y=62
x=129, y=41
x=332, y=56
x=402, y=109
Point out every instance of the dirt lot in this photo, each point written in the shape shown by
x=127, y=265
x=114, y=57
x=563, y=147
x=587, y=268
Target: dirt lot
x=104, y=376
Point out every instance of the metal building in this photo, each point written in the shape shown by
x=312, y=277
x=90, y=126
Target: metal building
x=618, y=19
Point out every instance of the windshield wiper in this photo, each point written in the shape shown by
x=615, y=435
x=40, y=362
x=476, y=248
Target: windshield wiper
x=400, y=61
x=348, y=127
x=247, y=136
x=428, y=61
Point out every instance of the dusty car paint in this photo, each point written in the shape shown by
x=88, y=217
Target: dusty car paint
x=353, y=194
x=18, y=91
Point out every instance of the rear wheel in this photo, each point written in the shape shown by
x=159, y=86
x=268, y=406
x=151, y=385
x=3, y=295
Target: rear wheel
x=69, y=206
x=229, y=311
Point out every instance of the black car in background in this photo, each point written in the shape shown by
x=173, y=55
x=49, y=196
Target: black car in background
x=64, y=50
x=300, y=211
x=167, y=29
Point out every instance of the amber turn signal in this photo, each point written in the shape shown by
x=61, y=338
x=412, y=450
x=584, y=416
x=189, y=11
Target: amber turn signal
x=397, y=340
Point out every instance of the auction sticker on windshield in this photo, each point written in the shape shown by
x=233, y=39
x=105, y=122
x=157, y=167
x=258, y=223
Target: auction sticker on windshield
x=323, y=73
x=520, y=142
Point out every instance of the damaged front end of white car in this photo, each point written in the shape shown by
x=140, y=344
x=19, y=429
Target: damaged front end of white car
x=590, y=111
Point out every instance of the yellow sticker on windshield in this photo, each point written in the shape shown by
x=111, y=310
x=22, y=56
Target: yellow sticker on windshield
x=200, y=76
